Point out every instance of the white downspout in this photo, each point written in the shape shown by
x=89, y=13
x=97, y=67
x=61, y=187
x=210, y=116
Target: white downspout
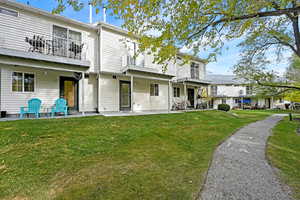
x=100, y=65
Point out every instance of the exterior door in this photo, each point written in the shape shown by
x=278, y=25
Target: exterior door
x=125, y=95
x=268, y=103
x=191, y=97
x=69, y=91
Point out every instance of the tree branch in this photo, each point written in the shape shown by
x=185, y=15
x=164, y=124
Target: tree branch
x=278, y=12
x=278, y=86
x=286, y=44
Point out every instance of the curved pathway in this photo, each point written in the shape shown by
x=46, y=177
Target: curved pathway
x=240, y=171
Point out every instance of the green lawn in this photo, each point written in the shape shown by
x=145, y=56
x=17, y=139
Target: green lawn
x=284, y=153
x=137, y=157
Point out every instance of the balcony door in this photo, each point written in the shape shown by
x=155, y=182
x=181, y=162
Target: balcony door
x=125, y=96
x=69, y=91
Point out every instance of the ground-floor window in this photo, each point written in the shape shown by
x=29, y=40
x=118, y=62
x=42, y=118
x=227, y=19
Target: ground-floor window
x=236, y=101
x=22, y=82
x=176, y=91
x=154, y=89
x=223, y=101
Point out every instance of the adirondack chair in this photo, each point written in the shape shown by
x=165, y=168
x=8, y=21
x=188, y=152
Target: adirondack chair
x=60, y=106
x=34, y=106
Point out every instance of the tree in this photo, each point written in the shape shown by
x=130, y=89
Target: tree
x=166, y=26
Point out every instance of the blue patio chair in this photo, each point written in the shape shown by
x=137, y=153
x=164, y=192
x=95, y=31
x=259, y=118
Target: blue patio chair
x=60, y=106
x=34, y=106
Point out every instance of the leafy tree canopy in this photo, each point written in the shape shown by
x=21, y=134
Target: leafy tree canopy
x=166, y=26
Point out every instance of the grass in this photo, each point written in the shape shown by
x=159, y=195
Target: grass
x=136, y=157
x=284, y=153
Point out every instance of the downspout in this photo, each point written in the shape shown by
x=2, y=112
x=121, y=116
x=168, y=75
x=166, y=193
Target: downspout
x=99, y=56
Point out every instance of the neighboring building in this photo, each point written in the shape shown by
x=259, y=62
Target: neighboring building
x=227, y=89
x=189, y=82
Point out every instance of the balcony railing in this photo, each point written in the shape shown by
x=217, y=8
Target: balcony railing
x=46, y=44
x=55, y=46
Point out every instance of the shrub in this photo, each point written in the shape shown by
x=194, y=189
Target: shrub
x=224, y=107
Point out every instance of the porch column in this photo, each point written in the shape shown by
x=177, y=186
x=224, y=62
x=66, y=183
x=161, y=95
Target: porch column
x=185, y=97
x=169, y=97
x=82, y=93
x=131, y=92
x=272, y=102
x=242, y=103
x=99, y=89
x=207, y=102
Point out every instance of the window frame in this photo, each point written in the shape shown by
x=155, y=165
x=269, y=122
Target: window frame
x=249, y=90
x=23, y=82
x=176, y=92
x=224, y=101
x=214, y=90
x=9, y=10
x=195, y=70
x=155, y=91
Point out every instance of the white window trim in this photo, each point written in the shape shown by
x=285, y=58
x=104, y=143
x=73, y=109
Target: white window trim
x=18, y=14
x=22, y=72
x=154, y=89
x=68, y=29
x=175, y=88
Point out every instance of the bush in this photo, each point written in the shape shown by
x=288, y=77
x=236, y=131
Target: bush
x=224, y=107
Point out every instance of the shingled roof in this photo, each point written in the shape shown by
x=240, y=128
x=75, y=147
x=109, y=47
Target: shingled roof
x=220, y=79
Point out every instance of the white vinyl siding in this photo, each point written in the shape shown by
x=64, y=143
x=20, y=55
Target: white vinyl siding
x=115, y=50
x=46, y=89
x=14, y=30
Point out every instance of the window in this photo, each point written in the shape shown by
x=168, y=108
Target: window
x=223, y=101
x=66, y=42
x=22, y=82
x=214, y=90
x=194, y=70
x=236, y=101
x=135, y=57
x=176, y=92
x=9, y=12
x=154, y=90
x=17, y=79
x=248, y=90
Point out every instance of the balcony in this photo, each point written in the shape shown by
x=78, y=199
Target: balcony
x=51, y=48
x=129, y=63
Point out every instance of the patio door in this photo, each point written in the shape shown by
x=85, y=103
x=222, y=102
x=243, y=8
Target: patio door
x=191, y=97
x=125, y=96
x=69, y=91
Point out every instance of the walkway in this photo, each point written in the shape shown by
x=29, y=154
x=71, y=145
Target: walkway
x=240, y=171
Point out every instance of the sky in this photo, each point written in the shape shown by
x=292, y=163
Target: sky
x=223, y=65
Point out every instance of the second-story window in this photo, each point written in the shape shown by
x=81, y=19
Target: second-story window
x=214, y=90
x=194, y=70
x=9, y=12
x=135, y=57
x=66, y=43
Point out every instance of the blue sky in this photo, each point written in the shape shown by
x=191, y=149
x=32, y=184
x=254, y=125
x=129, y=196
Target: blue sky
x=224, y=64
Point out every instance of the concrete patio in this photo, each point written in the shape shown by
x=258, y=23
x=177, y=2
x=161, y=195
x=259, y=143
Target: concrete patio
x=106, y=114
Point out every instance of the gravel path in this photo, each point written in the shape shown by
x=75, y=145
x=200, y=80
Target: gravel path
x=240, y=171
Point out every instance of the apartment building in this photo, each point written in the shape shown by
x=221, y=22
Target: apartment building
x=95, y=67
x=227, y=89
